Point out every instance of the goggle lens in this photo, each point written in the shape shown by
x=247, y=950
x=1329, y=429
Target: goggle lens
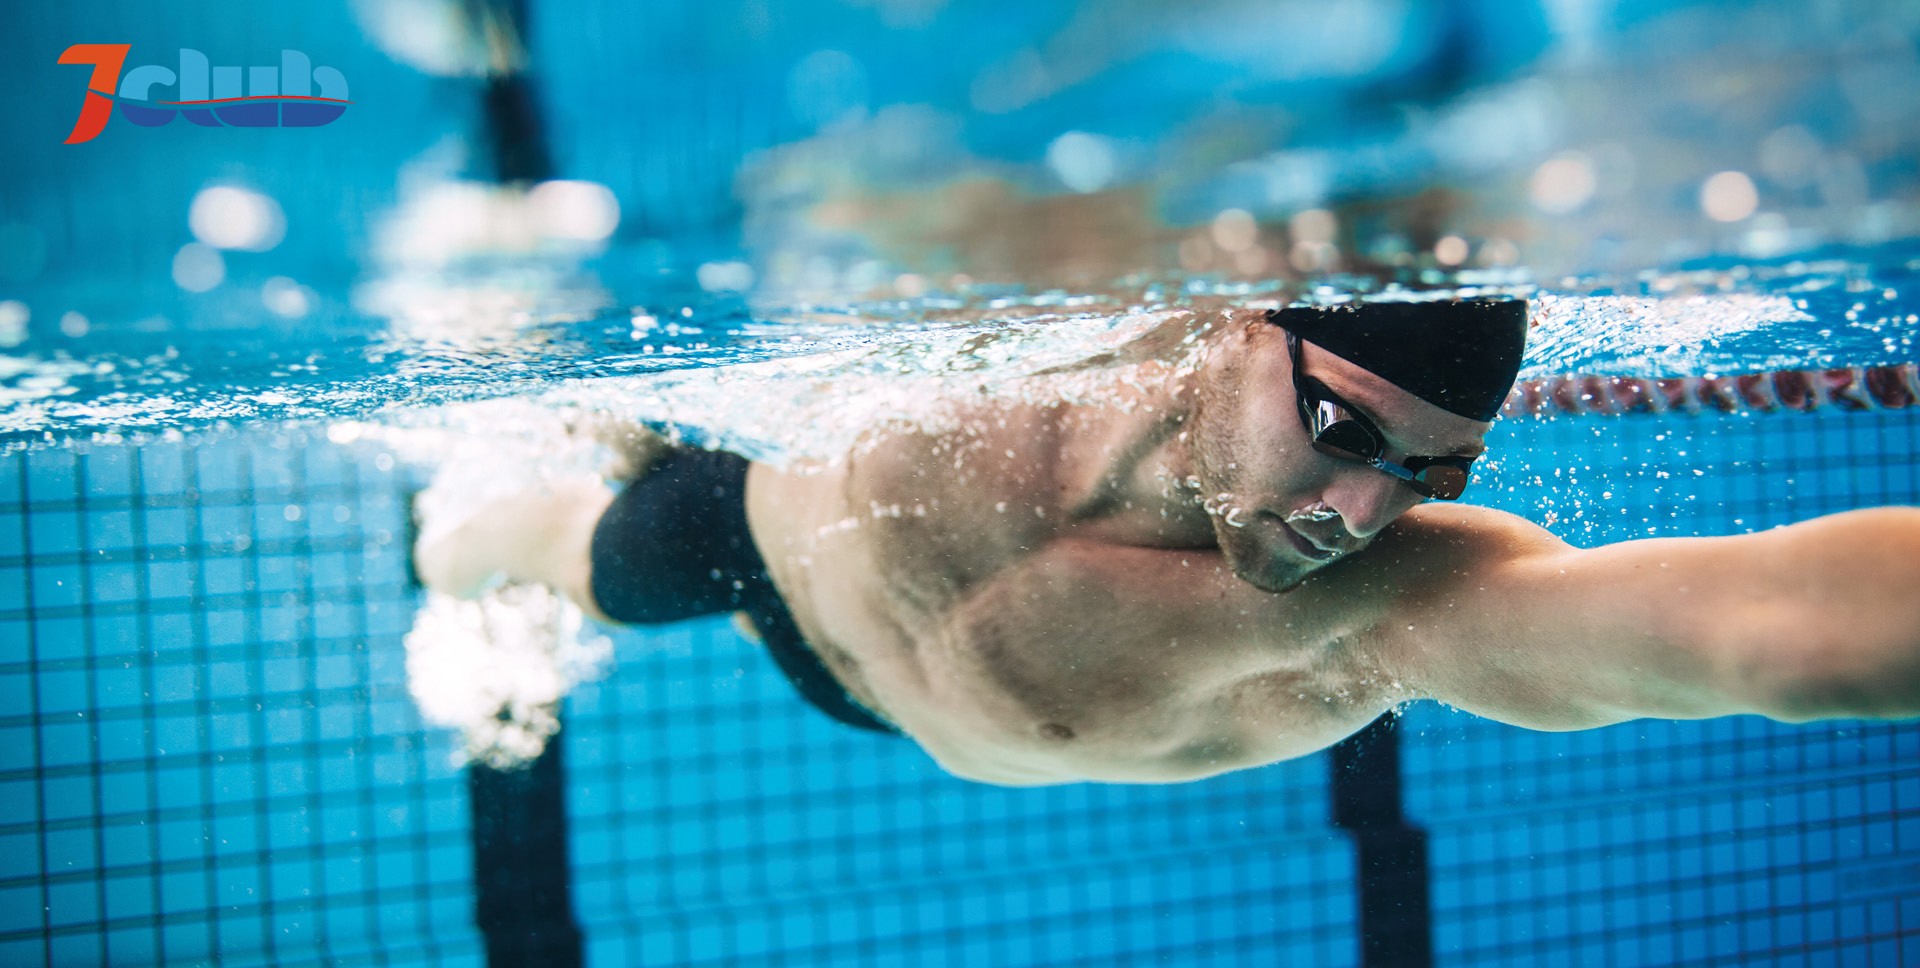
x=1442, y=481
x=1338, y=432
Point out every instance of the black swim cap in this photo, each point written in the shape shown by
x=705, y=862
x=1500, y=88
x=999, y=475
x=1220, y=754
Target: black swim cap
x=1460, y=355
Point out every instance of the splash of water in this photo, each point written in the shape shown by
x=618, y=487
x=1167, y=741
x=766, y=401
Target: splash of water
x=699, y=363
x=496, y=668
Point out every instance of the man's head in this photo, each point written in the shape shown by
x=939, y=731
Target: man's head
x=1401, y=396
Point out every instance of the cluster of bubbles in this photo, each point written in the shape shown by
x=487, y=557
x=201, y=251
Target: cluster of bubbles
x=496, y=668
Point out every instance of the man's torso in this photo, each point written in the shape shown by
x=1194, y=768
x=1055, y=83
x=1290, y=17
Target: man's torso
x=1033, y=601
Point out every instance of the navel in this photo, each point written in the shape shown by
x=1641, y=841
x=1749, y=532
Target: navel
x=1056, y=731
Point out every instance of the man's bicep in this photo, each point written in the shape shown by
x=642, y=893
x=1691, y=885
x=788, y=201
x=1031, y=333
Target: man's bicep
x=1506, y=621
x=1814, y=620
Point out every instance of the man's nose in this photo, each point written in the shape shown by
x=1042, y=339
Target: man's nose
x=1368, y=500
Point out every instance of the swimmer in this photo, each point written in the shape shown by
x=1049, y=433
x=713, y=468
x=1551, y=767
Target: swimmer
x=1250, y=561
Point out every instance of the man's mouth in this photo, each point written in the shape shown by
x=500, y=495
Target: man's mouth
x=1306, y=546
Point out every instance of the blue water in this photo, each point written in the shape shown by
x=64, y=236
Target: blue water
x=833, y=152
x=223, y=735
x=208, y=751
x=1823, y=309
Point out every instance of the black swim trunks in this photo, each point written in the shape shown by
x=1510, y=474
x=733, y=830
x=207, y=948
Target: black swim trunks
x=674, y=545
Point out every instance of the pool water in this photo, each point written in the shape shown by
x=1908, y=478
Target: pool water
x=229, y=360
x=213, y=750
x=653, y=360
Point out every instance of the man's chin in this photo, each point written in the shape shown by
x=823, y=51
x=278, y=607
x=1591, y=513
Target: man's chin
x=1268, y=569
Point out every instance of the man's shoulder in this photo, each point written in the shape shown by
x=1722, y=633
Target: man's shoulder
x=1434, y=546
x=1468, y=526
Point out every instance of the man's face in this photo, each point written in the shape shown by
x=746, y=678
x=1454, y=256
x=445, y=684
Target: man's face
x=1282, y=509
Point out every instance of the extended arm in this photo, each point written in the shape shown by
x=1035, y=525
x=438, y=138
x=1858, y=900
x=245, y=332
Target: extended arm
x=1817, y=620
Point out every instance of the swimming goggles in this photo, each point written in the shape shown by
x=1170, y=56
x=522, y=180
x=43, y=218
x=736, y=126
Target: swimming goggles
x=1338, y=430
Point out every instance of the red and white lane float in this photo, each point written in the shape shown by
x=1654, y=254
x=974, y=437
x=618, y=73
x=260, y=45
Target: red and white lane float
x=1851, y=388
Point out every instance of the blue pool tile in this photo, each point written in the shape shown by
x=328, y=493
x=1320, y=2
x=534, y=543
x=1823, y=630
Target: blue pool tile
x=64, y=951
x=18, y=748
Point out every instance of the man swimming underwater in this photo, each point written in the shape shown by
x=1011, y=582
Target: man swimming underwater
x=1170, y=584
